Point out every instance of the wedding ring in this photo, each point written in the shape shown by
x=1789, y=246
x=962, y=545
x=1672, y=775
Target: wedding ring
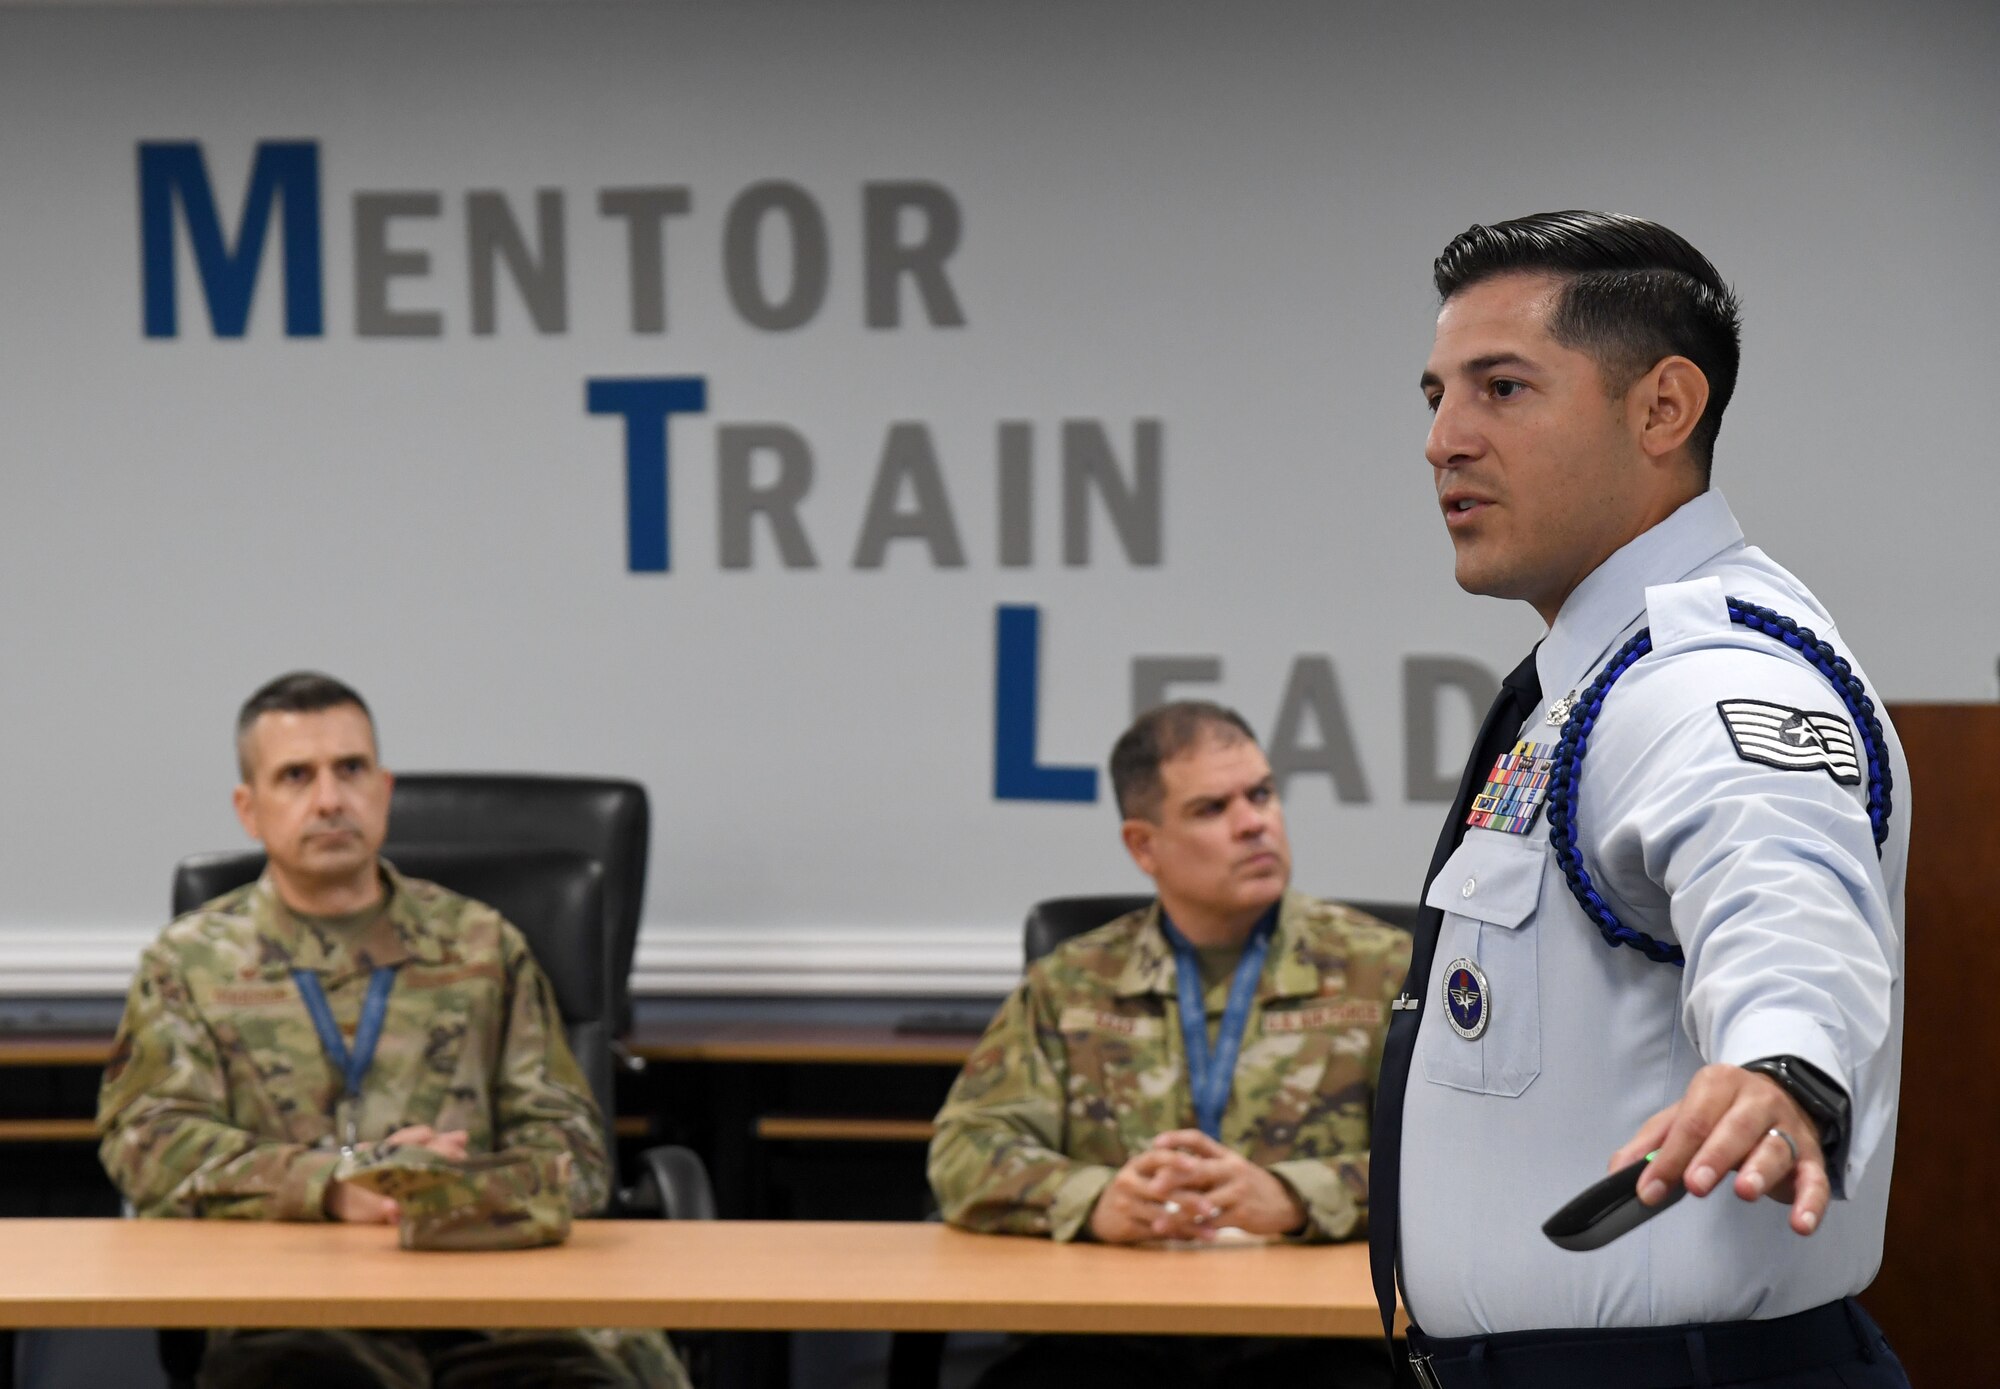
x=1787, y=1140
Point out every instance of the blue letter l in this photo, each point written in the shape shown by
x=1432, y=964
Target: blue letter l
x=1016, y=686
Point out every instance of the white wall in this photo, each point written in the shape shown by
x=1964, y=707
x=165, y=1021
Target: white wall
x=1219, y=218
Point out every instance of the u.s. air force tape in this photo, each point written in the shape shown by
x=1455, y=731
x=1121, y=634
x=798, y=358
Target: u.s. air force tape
x=1792, y=740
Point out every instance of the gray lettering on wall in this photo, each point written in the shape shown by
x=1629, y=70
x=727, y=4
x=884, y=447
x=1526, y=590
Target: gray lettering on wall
x=907, y=454
x=742, y=260
x=1135, y=508
x=776, y=250
x=375, y=264
x=492, y=236
x=887, y=208
x=1017, y=494
x=740, y=498
x=1154, y=678
x=645, y=211
x=1428, y=773
x=1313, y=689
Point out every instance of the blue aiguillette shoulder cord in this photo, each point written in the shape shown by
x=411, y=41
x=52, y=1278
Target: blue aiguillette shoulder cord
x=352, y=1066
x=1567, y=778
x=1210, y=1078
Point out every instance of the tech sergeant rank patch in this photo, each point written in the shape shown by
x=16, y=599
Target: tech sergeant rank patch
x=1792, y=740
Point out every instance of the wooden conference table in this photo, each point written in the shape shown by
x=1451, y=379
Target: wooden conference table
x=723, y=1275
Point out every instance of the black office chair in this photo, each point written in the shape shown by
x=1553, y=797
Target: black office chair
x=599, y=817
x=555, y=897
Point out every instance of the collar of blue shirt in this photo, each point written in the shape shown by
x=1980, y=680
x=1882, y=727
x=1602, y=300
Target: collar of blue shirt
x=1612, y=597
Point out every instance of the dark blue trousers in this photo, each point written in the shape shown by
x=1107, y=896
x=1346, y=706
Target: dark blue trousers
x=1836, y=1346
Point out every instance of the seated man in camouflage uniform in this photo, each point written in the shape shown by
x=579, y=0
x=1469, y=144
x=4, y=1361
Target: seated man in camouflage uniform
x=221, y=1103
x=1079, y=1115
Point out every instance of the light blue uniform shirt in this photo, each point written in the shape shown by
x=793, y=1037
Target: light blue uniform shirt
x=1793, y=929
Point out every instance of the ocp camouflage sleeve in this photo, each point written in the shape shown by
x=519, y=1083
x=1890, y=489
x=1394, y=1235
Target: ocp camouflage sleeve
x=997, y=1161
x=168, y=1143
x=541, y=1099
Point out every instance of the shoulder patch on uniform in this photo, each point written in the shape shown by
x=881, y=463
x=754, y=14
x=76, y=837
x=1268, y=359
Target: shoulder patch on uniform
x=1793, y=740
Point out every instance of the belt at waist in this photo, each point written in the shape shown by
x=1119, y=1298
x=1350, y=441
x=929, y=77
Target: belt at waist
x=1652, y=1357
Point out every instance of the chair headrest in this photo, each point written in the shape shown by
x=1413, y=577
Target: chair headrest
x=600, y=816
x=605, y=818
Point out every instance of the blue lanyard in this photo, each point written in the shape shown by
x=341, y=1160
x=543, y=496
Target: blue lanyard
x=353, y=1066
x=1210, y=1078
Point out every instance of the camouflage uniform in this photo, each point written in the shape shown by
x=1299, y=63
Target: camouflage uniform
x=1083, y=1067
x=218, y=1100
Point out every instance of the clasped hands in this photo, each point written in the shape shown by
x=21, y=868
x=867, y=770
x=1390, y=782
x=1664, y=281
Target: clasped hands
x=1186, y=1186
x=359, y=1206
x=1723, y=1123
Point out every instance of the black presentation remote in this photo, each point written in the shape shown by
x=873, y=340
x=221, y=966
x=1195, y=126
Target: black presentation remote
x=1606, y=1209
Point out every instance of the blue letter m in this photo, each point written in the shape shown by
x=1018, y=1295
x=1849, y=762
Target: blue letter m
x=287, y=169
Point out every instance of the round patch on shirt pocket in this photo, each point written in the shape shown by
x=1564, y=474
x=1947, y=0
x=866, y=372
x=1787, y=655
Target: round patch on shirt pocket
x=1487, y=985
x=1465, y=996
x=1500, y=1052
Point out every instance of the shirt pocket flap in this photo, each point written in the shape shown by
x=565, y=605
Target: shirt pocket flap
x=1491, y=877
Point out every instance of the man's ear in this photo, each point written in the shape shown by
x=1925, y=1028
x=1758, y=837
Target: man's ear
x=1138, y=837
x=245, y=801
x=1668, y=402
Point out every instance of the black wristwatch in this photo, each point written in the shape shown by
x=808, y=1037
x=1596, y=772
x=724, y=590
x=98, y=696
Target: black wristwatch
x=1824, y=1102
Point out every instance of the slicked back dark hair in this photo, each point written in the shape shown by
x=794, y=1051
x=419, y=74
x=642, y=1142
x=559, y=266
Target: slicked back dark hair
x=1160, y=735
x=1633, y=293
x=296, y=692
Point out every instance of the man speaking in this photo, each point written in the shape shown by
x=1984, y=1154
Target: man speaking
x=1665, y=916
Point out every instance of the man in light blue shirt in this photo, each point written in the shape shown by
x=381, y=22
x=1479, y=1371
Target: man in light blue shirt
x=1666, y=916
